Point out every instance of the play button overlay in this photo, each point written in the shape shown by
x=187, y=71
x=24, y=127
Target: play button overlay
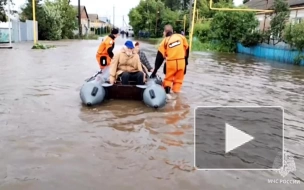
x=235, y=138
x=238, y=138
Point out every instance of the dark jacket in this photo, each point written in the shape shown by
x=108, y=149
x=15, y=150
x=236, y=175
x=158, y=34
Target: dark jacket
x=144, y=60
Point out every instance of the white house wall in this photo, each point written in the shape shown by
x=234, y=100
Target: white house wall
x=297, y=13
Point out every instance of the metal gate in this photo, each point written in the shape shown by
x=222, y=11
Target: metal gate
x=23, y=31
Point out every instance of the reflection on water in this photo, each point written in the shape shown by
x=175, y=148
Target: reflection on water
x=50, y=141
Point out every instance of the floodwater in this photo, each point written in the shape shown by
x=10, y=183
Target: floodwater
x=49, y=141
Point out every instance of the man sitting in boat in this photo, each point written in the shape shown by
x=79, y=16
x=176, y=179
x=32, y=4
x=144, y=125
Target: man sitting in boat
x=143, y=57
x=126, y=66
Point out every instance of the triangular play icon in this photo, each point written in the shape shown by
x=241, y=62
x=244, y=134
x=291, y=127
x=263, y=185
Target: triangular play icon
x=235, y=138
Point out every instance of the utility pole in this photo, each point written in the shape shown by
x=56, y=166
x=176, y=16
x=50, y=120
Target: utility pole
x=10, y=26
x=265, y=16
x=113, y=16
x=79, y=19
x=190, y=15
x=34, y=21
x=192, y=25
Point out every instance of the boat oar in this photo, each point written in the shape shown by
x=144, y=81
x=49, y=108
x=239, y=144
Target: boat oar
x=97, y=73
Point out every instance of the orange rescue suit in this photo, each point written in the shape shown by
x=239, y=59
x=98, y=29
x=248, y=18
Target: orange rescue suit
x=175, y=49
x=105, y=52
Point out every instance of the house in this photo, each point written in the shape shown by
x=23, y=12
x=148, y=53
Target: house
x=98, y=22
x=94, y=21
x=105, y=21
x=85, y=20
x=296, y=15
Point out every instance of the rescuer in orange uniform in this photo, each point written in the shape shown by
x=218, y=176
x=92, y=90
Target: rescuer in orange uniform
x=175, y=50
x=105, y=51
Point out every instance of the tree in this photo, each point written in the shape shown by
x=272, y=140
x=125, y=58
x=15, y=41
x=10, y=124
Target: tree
x=56, y=19
x=202, y=31
x=204, y=9
x=53, y=22
x=228, y=28
x=27, y=10
x=293, y=35
x=176, y=5
x=27, y=14
x=245, y=1
x=68, y=17
x=172, y=4
x=278, y=19
x=3, y=16
x=151, y=15
x=185, y=4
x=2, y=11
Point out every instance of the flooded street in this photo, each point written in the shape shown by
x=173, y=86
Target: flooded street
x=49, y=141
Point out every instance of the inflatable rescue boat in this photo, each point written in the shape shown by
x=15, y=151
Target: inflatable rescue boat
x=97, y=89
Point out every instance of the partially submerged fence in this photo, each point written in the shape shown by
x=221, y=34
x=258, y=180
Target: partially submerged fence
x=277, y=53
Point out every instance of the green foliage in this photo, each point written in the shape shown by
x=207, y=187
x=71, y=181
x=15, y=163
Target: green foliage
x=293, y=35
x=42, y=46
x=265, y=36
x=297, y=60
x=3, y=3
x=288, y=35
x=56, y=19
x=27, y=11
x=68, y=15
x=208, y=46
x=278, y=19
x=230, y=27
x=53, y=22
x=203, y=9
x=202, y=31
x=199, y=46
x=245, y=1
x=153, y=14
x=251, y=39
x=2, y=10
x=225, y=29
x=175, y=5
x=157, y=41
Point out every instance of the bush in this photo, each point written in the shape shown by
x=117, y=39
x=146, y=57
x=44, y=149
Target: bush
x=265, y=36
x=278, y=19
x=293, y=35
x=53, y=22
x=56, y=18
x=229, y=27
x=251, y=39
x=202, y=31
x=42, y=46
x=209, y=46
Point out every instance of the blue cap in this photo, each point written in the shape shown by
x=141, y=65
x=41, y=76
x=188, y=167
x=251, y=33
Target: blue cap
x=129, y=44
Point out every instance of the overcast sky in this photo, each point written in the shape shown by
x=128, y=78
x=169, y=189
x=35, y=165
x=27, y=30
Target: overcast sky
x=105, y=8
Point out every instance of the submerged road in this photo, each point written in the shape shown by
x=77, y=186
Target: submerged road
x=49, y=141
